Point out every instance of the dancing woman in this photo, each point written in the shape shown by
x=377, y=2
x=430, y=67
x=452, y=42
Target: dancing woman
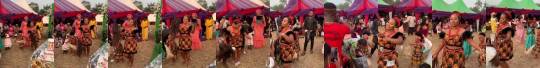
x=86, y=40
x=25, y=35
x=236, y=40
x=185, y=40
x=130, y=42
x=288, y=44
x=389, y=40
x=484, y=42
x=451, y=51
x=418, y=46
x=503, y=40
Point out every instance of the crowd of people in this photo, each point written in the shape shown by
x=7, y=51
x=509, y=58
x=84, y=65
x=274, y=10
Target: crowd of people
x=25, y=32
x=124, y=37
x=351, y=42
x=74, y=35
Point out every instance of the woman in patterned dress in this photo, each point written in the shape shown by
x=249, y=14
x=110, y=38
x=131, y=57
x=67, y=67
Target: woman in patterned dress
x=418, y=46
x=536, y=49
x=389, y=40
x=185, y=39
x=86, y=40
x=503, y=40
x=451, y=52
x=115, y=35
x=484, y=41
x=288, y=48
x=288, y=43
x=32, y=32
x=130, y=44
x=171, y=43
x=236, y=40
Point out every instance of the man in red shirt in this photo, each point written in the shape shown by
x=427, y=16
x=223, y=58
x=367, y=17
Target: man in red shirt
x=334, y=32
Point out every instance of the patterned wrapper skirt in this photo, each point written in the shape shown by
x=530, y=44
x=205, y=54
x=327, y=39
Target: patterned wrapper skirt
x=453, y=58
x=388, y=58
x=288, y=54
x=505, y=49
x=184, y=43
x=417, y=54
x=130, y=45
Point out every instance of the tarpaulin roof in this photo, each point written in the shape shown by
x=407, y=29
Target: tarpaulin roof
x=417, y=5
x=16, y=9
x=385, y=6
x=69, y=8
x=362, y=7
x=523, y=6
x=120, y=8
x=238, y=7
x=459, y=6
x=302, y=7
x=180, y=7
x=443, y=9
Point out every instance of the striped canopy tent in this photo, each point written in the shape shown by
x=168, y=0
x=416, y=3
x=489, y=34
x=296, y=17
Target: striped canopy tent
x=302, y=7
x=361, y=7
x=442, y=9
x=238, y=7
x=388, y=5
x=120, y=8
x=70, y=8
x=16, y=9
x=416, y=5
x=179, y=8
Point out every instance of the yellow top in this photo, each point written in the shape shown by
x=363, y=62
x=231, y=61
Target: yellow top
x=209, y=23
x=493, y=24
x=144, y=23
x=93, y=22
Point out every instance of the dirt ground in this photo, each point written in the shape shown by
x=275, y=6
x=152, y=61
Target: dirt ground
x=254, y=58
x=17, y=57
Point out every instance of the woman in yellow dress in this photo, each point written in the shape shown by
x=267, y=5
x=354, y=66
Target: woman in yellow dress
x=209, y=23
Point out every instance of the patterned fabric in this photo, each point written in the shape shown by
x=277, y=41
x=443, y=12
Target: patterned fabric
x=184, y=39
x=172, y=45
x=389, y=53
x=288, y=51
x=236, y=41
x=536, y=49
x=130, y=44
x=87, y=38
x=454, y=55
x=417, y=53
x=504, y=48
x=387, y=56
x=453, y=58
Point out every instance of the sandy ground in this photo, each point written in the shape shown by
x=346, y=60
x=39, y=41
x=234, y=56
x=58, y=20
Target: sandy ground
x=16, y=57
x=254, y=58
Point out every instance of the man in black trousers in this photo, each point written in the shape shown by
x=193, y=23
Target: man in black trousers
x=310, y=25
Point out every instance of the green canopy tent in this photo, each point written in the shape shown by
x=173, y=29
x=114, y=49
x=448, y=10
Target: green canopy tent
x=528, y=6
x=509, y=5
x=442, y=9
